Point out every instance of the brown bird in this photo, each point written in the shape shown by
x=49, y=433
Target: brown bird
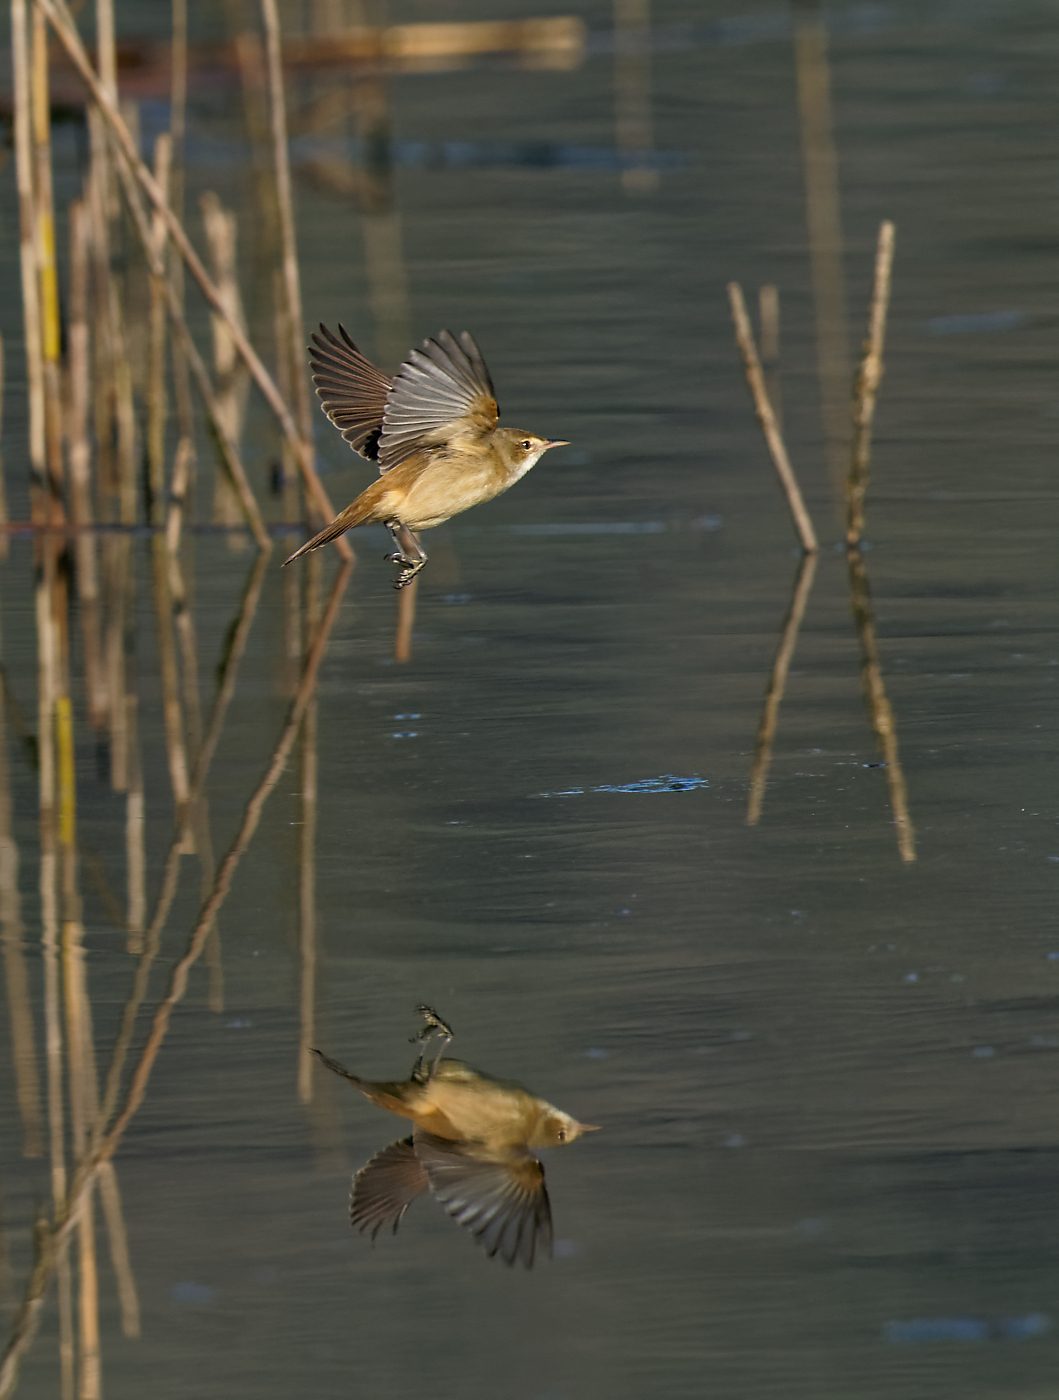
x=432, y=430
x=471, y=1148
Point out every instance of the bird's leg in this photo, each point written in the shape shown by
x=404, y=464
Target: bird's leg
x=409, y=554
x=434, y=1026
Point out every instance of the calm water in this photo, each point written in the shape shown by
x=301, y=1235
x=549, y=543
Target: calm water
x=826, y=1075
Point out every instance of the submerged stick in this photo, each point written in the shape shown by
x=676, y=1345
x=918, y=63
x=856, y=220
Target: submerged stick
x=755, y=379
x=866, y=388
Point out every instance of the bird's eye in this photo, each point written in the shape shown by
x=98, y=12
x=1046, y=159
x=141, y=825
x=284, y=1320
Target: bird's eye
x=560, y=1136
x=525, y=444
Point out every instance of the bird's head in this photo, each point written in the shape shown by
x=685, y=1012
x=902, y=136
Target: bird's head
x=521, y=450
x=556, y=1129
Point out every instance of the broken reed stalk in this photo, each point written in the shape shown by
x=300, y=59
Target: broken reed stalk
x=79, y=457
x=31, y=310
x=284, y=205
x=61, y=20
x=755, y=379
x=866, y=387
x=232, y=384
x=768, y=303
x=52, y=1241
x=157, y=395
x=777, y=685
x=46, y=268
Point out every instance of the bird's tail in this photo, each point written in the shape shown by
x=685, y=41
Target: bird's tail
x=341, y=523
x=390, y=1095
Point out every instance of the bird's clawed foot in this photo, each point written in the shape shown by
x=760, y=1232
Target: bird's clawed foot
x=409, y=568
x=409, y=556
x=434, y=1026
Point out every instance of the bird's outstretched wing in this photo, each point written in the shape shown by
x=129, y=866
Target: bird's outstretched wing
x=442, y=391
x=500, y=1198
x=385, y=1187
x=352, y=391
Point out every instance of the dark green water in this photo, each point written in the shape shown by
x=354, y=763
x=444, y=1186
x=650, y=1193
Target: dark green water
x=826, y=1076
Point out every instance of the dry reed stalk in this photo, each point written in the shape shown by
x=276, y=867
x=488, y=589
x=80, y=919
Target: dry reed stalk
x=231, y=379
x=178, y=99
x=307, y=932
x=79, y=463
x=114, y=372
x=883, y=720
x=284, y=205
x=777, y=685
x=744, y=335
x=99, y=317
x=59, y=17
x=32, y=332
x=866, y=388
x=768, y=301
x=824, y=224
x=46, y=267
x=157, y=395
x=52, y=1242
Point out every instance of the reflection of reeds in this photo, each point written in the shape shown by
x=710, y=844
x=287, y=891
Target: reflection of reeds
x=777, y=684
x=881, y=711
x=866, y=389
x=406, y=616
x=755, y=379
x=307, y=951
x=73, y=1191
x=16, y=981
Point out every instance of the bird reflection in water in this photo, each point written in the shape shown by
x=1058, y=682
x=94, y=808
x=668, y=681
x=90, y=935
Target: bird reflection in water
x=472, y=1147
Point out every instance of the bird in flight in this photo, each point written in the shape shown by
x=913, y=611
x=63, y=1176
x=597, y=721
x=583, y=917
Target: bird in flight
x=433, y=430
x=473, y=1148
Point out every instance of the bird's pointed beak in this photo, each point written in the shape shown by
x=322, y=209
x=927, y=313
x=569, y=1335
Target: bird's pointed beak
x=556, y=442
x=590, y=1127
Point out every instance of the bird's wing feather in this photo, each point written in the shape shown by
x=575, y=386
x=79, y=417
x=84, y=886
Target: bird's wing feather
x=385, y=1187
x=500, y=1199
x=443, y=390
x=352, y=391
